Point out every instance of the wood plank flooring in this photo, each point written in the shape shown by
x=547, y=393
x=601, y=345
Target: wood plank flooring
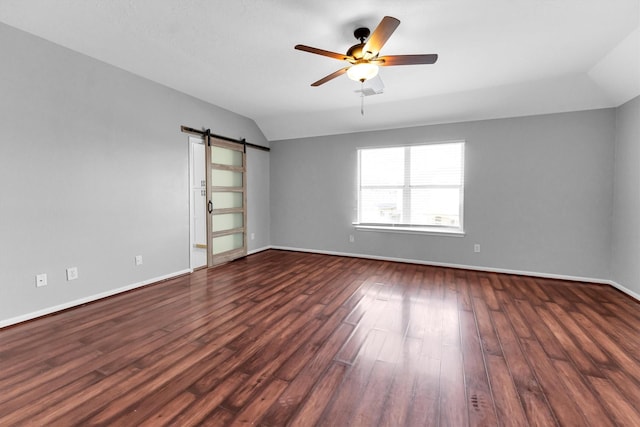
x=284, y=338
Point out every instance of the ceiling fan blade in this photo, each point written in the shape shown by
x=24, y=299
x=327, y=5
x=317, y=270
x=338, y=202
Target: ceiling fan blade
x=380, y=35
x=330, y=76
x=322, y=52
x=389, y=60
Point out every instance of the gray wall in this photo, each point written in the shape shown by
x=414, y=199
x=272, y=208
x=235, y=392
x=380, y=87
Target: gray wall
x=538, y=195
x=626, y=206
x=93, y=171
x=258, y=219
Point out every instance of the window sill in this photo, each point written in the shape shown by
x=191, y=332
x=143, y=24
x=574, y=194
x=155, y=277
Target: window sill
x=437, y=231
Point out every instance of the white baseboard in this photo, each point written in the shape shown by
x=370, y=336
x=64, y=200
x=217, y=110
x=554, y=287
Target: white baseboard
x=255, y=251
x=75, y=303
x=50, y=310
x=470, y=267
x=624, y=290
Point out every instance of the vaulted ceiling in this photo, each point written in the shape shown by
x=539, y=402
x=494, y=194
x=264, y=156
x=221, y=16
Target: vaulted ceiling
x=497, y=58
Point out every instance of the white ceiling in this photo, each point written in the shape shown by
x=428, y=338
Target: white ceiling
x=497, y=58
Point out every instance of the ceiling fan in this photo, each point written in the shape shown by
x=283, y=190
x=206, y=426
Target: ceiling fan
x=364, y=57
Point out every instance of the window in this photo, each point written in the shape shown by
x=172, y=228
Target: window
x=415, y=187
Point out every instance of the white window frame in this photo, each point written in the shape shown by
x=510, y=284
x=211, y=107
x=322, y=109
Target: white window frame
x=407, y=228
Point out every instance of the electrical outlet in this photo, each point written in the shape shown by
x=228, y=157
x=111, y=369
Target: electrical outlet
x=138, y=259
x=41, y=280
x=351, y=238
x=72, y=273
x=476, y=248
x=253, y=236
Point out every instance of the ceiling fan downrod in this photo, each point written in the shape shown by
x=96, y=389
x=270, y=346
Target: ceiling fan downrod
x=361, y=34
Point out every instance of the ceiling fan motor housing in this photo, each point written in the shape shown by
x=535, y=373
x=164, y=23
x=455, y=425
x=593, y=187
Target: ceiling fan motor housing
x=356, y=51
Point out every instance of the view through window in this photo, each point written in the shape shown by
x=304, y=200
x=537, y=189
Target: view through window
x=414, y=186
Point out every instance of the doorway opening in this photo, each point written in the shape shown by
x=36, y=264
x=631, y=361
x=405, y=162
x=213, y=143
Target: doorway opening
x=197, y=204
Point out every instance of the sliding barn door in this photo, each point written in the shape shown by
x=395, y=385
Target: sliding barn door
x=226, y=205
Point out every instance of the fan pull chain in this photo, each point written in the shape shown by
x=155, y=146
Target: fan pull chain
x=362, y=97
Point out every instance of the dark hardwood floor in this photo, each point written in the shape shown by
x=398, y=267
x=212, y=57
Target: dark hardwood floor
x=284, y=338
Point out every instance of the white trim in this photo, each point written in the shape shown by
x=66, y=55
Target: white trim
x=434, y=231
x=415, y=141
x=111, y=292
x=255, y=251
x=624, y=290
x=50, y=310
x=461, y=266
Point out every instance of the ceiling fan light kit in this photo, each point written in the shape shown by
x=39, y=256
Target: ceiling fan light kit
x=362, y=71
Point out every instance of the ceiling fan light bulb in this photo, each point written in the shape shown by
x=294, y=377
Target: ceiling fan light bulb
x=362, y=71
